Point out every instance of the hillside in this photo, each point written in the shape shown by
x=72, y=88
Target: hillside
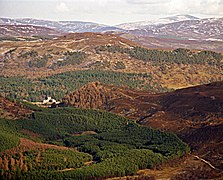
x=95, y=95
x=178, y=31
x=34, y=58
x=81, y=144
x=190, y=107
x=59, y=85
x=12, y=110
x=91, y=51
x=111, y=73
x=98, y=136
x=173, y=43
x=189, y=112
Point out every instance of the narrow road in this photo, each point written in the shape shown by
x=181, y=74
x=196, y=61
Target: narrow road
x=206, y=162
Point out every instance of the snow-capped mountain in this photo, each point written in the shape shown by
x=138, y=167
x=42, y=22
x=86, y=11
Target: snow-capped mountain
x=166, y=20
x=181, y=27
x=27, y=30
x=64, y=26
x=202, y=29
x=177, y=18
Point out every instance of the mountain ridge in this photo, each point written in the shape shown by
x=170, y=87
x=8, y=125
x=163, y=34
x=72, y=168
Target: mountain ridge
x=63, y=26
x=27, y=30
x=167, y=33
x=164, y=20
x=144, y=28
x=202, y=29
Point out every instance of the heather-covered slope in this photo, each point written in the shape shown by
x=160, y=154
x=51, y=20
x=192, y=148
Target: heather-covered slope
x=95, y=95
x=194, y=106
x=195, y=113
x=12, y=110
x=94, y=51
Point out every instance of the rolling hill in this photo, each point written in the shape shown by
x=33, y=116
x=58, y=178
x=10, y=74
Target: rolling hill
x=179, y=26
x=184, y=27
x=62, y=26
x=94, y=51
x=57, y=86
x=178, y=31
x=81, y=144
x=27, y=30
x=164, y=20
x=130, y=95
x=166, y=33
x=183, y=31
x=202, y=113
x=202, y=29
x=171, y=43
x=189, y=112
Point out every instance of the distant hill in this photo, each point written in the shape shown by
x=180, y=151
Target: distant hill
x=27, y=30
x=180, y=17
x=182, y=27
x=202, y=29
x=62, y=26
x=177, y=27
x=109, y=52
x=184, y=31
x=173, y=43
x=165, y=20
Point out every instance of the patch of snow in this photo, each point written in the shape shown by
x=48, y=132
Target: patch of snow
x=213, y=39
x=192, y=39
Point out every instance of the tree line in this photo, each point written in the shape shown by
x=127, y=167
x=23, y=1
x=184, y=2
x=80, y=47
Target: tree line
x=179, y=56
